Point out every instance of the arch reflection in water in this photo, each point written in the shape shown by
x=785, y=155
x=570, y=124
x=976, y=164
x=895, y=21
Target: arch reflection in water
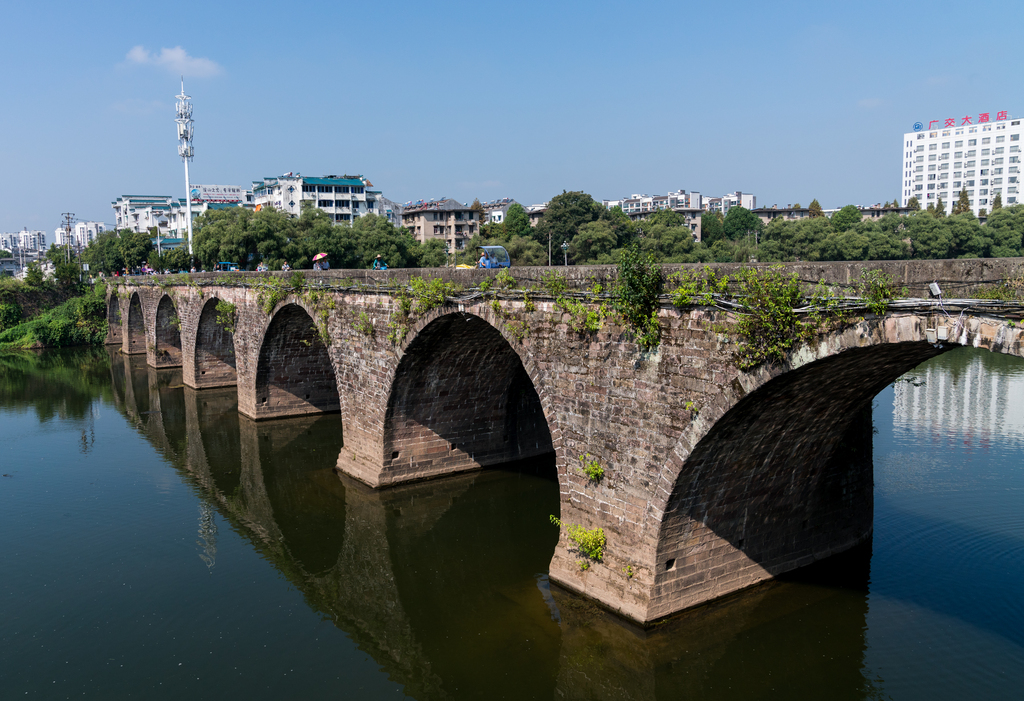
x=442, y=583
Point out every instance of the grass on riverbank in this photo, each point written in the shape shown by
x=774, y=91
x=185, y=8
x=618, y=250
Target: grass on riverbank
x=80, y=321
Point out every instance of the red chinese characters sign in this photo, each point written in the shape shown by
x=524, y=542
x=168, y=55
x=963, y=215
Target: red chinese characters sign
x=983, y=117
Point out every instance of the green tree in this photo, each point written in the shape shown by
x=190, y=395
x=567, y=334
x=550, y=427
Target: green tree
x=104, y=253
x=1006, y=227
x=517, y=222
x=594, y=240
x=940, y=207
x=962, y=204
x=845, y=218
x=815, y=210
x=34, y=274
x=562, y=220
x=742, y=224
x=914, y=204
x=247, y=238
x=5, y=254
x=997, y=203
x=929, y=236
x=134, y=248
x=712, y=228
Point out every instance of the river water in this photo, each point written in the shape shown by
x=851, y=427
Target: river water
x=155, y=545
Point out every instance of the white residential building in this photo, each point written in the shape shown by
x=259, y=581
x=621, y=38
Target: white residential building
x=726, y=202
x=642, y=204
x=495, y=211
x=82, y=234
x=24, y=240
x=344, y=197
x=977, y=152
x=140, y=213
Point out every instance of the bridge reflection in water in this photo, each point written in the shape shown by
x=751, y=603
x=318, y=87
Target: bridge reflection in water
x=443, y=583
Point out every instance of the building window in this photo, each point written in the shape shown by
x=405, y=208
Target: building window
x=1014, y=137
x=341, y=188
x=972, y=142
x=1000, y=139
x=325, y=203
x=308, y=188
x=932, y=147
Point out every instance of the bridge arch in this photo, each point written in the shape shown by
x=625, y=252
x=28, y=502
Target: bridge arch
x=215, y=364
x=114, y=325
x=167, y=334
x=135, y=338
x=462, y=397
x=778, y=473
x=295, y=374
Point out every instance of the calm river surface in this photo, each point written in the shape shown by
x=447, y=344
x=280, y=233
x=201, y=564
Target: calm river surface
x=155, y=545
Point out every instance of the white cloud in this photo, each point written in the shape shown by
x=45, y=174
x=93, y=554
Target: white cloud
x=869, y=103
x=175, y=61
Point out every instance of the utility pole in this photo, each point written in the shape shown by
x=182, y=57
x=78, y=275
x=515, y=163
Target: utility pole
x=69, y=217
x=184, y=122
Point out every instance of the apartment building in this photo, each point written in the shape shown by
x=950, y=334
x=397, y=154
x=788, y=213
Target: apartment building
x=496, y=210
x=726, y=202
x=344, y=197
x=453, y=222
x=141, y=213
x=24, y=240
x=642, y=204
x=978, y=152
x=82, y=234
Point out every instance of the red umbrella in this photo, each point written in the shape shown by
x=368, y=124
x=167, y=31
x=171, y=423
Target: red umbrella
x=318, y=256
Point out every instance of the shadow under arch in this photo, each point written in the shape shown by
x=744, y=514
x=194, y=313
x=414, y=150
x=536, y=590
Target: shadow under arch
x=782, y=479
x=135, y=342
x=114, y=329
x=215, y=362
x=461, y=399
x=294, y=375
x=167, y=337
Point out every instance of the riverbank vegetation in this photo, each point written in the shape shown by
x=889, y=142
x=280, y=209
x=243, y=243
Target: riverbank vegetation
x=49, y=315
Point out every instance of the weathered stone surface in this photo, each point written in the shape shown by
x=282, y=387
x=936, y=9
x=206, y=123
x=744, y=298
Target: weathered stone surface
x=715, y=478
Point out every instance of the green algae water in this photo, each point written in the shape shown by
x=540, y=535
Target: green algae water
x=154, y=544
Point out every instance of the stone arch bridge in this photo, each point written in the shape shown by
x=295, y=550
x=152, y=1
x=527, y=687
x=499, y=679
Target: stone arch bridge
x=715, y=478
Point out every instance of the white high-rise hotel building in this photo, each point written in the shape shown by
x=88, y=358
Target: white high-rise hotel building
x=978, y=152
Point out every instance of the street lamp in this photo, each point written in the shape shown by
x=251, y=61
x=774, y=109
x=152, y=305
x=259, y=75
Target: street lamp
x=565, y=252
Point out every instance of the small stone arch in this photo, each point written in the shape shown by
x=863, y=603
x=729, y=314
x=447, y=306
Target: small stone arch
x=167, y=336
x=777, y=474
x=460, y=398
x=294, y=374
x=135, y=338
x=114, y=329
x=215, y=361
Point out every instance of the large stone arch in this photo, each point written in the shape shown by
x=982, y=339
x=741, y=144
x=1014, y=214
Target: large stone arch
x=135, y=330
x=166, y=335
x=294, y=372
x=777, y=474
x=215, y=364
x=461, y=397
x=114, y=325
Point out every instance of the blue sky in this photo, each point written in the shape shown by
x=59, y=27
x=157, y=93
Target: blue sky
x=788, y=100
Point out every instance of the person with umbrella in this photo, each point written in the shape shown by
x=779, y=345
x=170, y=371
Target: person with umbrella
x=320, y=262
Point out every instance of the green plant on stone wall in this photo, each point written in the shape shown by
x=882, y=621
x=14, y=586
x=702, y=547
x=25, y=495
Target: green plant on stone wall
x=629, y=571
x=430, y=294
x=227, y=313
x=297, y=281
x=582, y=318
x=769, y=326
x=697, y=286
x=636, y=295
x=554, y=283
x=589, y=542
x=176, y=322
x=364, y=325
x=591, y=467
x=877, y=289
x=517, y=329
x=504, y=279
x=827, y=312
x=270, y=291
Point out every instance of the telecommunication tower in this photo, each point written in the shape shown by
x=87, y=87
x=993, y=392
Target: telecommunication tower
x=184, y=122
